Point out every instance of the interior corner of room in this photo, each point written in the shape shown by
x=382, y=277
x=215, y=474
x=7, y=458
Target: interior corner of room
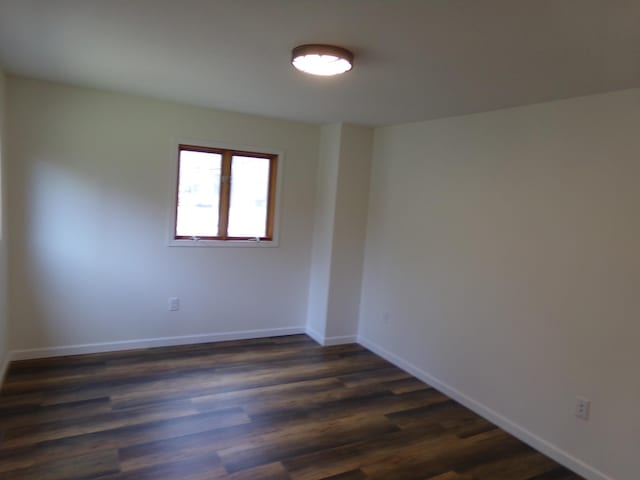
x=491, y=254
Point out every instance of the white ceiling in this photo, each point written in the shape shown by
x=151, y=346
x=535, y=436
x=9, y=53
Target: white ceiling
x=415, y=59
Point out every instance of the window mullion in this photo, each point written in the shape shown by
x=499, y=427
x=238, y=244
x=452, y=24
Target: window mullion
x=225, y=194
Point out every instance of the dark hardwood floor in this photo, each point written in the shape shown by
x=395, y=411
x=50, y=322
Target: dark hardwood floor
x=275, y=408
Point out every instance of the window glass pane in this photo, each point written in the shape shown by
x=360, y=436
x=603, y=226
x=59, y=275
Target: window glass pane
x=198, y=194
x=249, y=197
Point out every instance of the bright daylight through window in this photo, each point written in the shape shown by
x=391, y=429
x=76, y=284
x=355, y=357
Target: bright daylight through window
x=225, y=194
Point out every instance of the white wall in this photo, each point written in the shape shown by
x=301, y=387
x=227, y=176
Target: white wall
x=339, y=231
x=4, y=322
x=324, y=215
x=504, y=248
x=501, y=250
x=92, y=185
x=350, y=221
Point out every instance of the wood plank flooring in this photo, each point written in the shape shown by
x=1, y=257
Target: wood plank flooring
x=275, y=408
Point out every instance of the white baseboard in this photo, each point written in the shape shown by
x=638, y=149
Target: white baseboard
x=552, y=451
x=516, y=430
x=328, y=341
x=315, y=335
x=150, y=342
x=340, y=340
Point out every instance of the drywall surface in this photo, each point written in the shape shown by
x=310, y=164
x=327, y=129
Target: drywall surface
x=502, y=260
x=4, y=310
x=320, y=272
x=350, y=221
x=338, y=240
x=93, y=184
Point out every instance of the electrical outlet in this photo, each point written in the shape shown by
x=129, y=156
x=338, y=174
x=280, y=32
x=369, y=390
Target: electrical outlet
x=174, y=304
x=386, y=318
x=583, y=406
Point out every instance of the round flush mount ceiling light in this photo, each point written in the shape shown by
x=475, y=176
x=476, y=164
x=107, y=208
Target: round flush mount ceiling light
x=323, y=60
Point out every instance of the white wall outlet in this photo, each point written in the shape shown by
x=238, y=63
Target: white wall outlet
x=174, y=304
x=583, y=405
x=386, y=318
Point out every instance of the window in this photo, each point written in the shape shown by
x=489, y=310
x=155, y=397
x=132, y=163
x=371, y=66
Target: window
x=225, y=194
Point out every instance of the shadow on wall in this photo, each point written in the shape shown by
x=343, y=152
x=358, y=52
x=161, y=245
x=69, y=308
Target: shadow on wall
x=77, y=259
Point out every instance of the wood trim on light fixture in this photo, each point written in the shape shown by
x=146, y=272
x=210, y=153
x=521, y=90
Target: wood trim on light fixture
x=321, y=49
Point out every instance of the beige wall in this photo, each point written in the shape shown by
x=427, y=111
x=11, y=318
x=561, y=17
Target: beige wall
x=92, y=184
x=503, y=250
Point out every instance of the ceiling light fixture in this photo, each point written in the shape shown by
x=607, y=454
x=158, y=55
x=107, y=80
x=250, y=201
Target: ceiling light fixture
x=323, y=60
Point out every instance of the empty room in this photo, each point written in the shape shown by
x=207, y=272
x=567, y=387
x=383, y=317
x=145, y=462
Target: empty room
x=319, y=239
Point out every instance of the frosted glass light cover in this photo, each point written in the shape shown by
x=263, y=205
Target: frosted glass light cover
x=322, y=60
